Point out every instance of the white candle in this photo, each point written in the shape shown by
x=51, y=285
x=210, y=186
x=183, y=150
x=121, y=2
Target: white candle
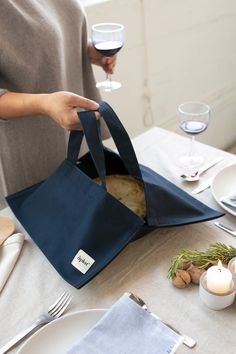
x=218, y=279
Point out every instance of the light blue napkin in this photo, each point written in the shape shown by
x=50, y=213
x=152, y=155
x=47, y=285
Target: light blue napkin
x=229, y=200
x=126, y=328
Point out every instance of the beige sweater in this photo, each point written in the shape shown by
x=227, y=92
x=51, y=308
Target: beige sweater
x=42, y=49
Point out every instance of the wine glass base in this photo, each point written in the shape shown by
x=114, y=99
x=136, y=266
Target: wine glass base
x=191, y=162
x=108, y=85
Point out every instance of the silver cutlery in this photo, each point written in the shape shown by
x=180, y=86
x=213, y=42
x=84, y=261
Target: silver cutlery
x=188, y=341
x=225, y=228
x=194, y=176
x=54, y=312
x=203, y=186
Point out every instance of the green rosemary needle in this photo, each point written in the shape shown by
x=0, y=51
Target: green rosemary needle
x=216, y=251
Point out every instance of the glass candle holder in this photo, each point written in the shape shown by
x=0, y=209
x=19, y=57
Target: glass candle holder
x=212, y=300
x=232, y=267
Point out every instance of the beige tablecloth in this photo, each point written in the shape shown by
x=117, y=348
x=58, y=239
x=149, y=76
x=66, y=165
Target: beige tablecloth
x=141, y=268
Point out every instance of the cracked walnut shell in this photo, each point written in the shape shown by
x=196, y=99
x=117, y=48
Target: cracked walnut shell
x=182, y=279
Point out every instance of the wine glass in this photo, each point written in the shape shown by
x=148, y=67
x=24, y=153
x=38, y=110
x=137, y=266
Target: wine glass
x=108, y=39
x=193, y=119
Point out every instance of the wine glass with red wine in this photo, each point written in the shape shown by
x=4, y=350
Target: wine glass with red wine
x=193, y=119
x=108, y=39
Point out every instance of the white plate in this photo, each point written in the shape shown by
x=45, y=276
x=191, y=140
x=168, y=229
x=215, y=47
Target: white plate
x=59, y=335
x=224, y=183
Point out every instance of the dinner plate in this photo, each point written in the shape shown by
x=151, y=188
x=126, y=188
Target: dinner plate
x=59, y=336
x=224, y=183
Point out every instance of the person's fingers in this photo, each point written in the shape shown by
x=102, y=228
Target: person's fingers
x=82, y=102
x=112, y=68
x=98, y=115
x=70, y=121
x=63, y=107
x=108, y=64
x=104, y=60
x=109, y=69
x=73, y=127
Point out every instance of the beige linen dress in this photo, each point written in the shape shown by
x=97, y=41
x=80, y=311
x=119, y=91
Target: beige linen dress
x=42, y=49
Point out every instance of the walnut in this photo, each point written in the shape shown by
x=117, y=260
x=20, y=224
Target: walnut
x=182, y=279
x=184, y=264
x=195, y=274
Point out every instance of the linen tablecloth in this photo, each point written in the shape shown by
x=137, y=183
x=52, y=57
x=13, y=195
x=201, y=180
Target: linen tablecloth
x=141, y=268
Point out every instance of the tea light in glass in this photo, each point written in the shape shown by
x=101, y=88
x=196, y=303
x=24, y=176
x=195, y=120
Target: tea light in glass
x=217, y=288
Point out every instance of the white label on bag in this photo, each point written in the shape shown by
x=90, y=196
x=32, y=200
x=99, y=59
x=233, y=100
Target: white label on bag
x=82, y=261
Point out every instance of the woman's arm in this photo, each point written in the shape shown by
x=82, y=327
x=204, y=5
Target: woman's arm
x=61, y=106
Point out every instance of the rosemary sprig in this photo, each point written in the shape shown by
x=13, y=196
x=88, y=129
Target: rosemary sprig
x=216, y=251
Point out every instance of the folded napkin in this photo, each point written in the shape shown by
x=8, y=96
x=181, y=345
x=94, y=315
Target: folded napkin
x=9, y=252
x=229, y=200
x=126, y=328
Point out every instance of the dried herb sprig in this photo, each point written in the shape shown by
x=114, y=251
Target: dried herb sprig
x=216, y=251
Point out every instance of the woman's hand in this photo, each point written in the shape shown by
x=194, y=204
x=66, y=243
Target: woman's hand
x=108, y=64
x=62, y=107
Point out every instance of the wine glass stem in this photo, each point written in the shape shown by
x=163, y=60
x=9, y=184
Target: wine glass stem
x=192, y=146
x=108, y=81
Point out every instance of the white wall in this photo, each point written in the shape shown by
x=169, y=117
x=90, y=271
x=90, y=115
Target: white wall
x=175, y=51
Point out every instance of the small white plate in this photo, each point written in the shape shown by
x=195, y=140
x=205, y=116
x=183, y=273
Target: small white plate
x=224, y=183
x=59, y=335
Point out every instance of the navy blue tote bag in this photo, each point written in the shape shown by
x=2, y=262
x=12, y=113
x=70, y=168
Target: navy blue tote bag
x=77, y=224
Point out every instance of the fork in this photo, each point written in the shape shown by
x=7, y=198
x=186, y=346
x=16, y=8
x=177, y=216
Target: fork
x=53, y=312
x=188, y=341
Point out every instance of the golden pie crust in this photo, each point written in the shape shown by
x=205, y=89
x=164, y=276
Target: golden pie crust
x=128, y=191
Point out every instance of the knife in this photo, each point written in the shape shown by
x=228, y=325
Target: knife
x=226, y=228
x=204, y=185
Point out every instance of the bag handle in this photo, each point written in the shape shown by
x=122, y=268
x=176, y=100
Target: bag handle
x=74, y=144
x=91, y=131
x=121, y=139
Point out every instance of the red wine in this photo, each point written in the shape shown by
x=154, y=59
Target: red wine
x=193, y=127
x=108, y=48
